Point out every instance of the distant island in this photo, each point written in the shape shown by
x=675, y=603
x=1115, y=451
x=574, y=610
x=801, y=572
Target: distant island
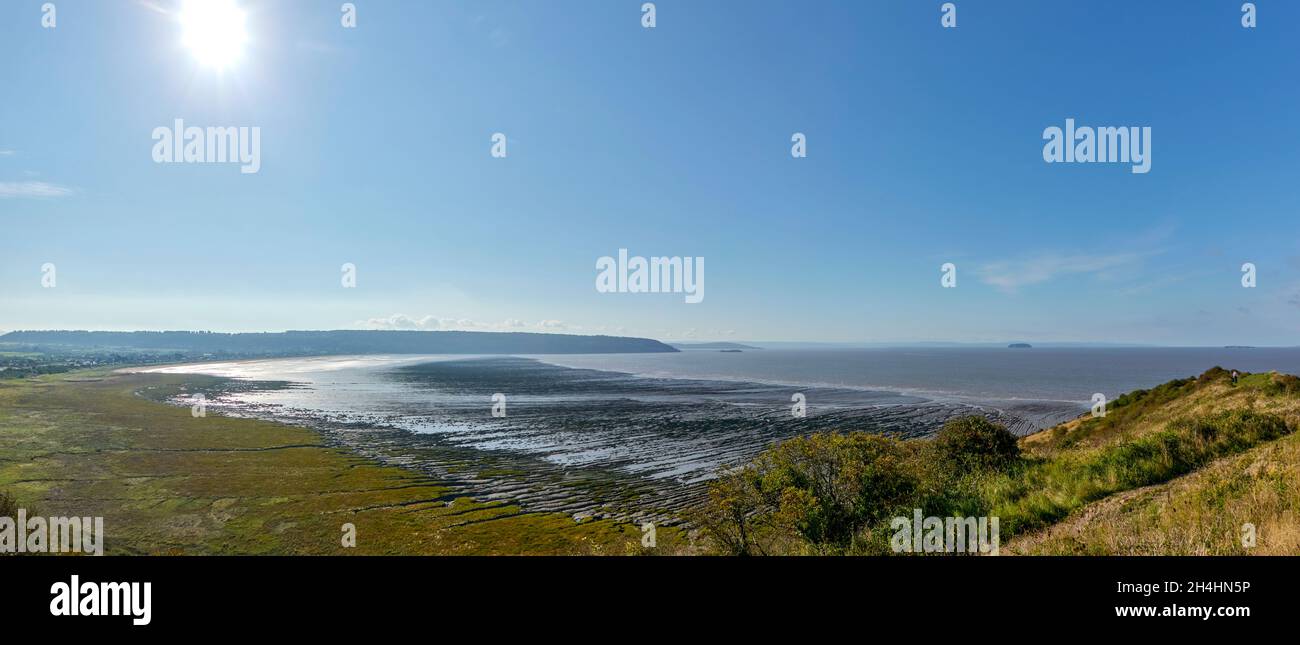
x=717, y=346
x=334, y=342
x=1020, y=346
x=1238, y=347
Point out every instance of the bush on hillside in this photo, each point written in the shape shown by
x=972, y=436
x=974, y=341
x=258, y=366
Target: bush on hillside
x=823, y=489
x=975, y=443
x=8, y=505
x=1282, y=384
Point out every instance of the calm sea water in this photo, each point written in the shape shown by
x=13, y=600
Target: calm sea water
x=1064, y=375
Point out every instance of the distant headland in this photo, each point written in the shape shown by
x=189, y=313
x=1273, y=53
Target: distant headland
x=722, y=346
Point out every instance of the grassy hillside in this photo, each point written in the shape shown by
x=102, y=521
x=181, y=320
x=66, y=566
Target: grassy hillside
x=1176, y=469
x=85, y=444
x=1201, y=513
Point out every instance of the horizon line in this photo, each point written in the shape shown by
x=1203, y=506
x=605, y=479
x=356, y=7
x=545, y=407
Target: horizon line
x=828, y=344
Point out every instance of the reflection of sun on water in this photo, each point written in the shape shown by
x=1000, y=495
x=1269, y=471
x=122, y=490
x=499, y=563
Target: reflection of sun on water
x=214, y=31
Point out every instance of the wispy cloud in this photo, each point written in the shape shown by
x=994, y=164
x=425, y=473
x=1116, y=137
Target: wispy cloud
x=33, y=190
x=434, y=323
x=153, y=6
x=1165, y=281
x=7, y=153
x=1011, y=275
x=499, y=37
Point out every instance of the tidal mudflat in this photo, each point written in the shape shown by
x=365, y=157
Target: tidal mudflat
x=585, y=442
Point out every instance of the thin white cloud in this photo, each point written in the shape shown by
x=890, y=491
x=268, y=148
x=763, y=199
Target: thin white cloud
x=434, y=323
x=1011, y=275
x=499, y=37
x=32, y=189
x=8, y=153
x=1154, y=285
x=153, y=6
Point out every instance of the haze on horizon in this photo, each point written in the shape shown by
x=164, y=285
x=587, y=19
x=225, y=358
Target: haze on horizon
x=676, y=142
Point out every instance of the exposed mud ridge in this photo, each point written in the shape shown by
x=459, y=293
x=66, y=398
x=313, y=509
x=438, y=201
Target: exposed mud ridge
x=585, y=442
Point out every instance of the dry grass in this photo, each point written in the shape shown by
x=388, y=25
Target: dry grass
x=1201, y=513
x=1198, y=398
x=1198, y=514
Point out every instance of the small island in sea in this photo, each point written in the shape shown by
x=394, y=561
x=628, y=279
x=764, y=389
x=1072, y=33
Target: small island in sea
x=1020, y=346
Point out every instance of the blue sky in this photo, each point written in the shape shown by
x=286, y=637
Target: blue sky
x=924, y=147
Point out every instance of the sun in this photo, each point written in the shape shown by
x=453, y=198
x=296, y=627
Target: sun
x=214, y=31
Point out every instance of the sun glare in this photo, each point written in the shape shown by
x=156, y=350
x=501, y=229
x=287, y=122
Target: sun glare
x=214, y=31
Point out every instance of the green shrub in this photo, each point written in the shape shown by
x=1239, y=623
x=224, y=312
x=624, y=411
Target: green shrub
x=975, y=443
x=1280, y=384
x=1215, y=373
x=8, y=505
x=831, y=493
x=823, y=489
